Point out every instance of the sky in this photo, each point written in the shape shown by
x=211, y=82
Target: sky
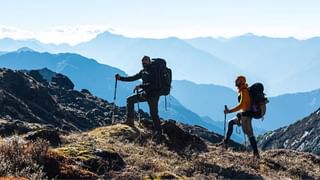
x=74, y=21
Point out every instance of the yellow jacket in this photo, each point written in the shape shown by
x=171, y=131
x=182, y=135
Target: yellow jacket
x=245, y=101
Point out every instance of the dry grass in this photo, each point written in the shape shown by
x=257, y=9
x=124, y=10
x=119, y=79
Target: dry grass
x=12, y=178
x=19, y=158
x=146, y=159
x=298, y=165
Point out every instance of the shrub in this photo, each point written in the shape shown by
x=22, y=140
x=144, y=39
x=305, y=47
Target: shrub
x=19, y=158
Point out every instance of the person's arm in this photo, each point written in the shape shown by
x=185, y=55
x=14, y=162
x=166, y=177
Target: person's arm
x=131, y=78
x=241, y=104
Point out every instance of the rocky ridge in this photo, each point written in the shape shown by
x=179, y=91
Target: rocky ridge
x=303, y=135
x=54, y=131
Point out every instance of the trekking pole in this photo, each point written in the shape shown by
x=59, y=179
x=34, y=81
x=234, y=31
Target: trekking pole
x=245, y=140
x=225, y=121
x=139, y=120
x=114, y=99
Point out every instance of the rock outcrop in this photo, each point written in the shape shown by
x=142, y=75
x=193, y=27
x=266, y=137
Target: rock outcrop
x=304, y=135
x=28, y=97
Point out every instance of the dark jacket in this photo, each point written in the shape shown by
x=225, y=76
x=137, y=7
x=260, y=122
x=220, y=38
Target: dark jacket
x=147, y=80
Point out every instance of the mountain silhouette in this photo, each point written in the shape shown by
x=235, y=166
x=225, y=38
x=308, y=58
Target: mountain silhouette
x=125, y=53
x=267, y=59
x=25, y=49
x=260, y=58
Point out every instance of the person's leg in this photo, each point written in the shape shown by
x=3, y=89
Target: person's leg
x=232, y=122
x=247, y=129
x=254, y=146
x=131, y=100
x=153, y=108
x=246, y=126
x=225, y=141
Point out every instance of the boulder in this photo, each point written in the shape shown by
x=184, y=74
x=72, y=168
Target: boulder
x=86, y=91
x=50, y=135
x=62, y=81
x=180, y=140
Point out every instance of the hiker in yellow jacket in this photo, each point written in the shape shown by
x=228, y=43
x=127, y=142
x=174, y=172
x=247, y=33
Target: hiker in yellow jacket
x=244, y=116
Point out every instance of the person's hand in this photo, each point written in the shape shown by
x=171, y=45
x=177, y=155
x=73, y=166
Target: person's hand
x=117, y=77
x=136, y=89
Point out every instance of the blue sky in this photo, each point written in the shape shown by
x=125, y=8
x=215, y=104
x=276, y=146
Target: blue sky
x=76, y=20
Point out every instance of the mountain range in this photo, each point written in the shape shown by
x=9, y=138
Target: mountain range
x=262, y=58
x=286, y=65
x=182, y=58
x=126, y=53
x=218, y=60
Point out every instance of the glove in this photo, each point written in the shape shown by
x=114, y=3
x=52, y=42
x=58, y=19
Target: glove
x=117, y=77
x=136, y=89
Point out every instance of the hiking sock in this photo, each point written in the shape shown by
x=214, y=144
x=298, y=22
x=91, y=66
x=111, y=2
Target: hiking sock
x=229, y=131
x=254, y=146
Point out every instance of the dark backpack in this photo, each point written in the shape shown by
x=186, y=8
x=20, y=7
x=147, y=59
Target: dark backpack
x=258, y=100
x=161, y=76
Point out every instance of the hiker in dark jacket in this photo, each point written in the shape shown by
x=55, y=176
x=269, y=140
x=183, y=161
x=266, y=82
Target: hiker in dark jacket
x=244, y=117
x=152, y=97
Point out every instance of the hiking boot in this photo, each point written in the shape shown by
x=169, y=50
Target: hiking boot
x=158, y=136
x=256, y=155
x=253, y=143
x=224, y=143
x=157, y=130
x=129, y=122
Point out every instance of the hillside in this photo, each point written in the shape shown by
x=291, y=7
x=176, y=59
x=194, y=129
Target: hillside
x=54, y=131
x=136, y=155
x=119, y=151
x=28, y=102
x=302, y=135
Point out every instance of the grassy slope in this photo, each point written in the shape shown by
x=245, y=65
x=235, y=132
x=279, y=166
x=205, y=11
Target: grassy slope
x=144, y=158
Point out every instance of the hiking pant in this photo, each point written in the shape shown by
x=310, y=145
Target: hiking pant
x=153, y=107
